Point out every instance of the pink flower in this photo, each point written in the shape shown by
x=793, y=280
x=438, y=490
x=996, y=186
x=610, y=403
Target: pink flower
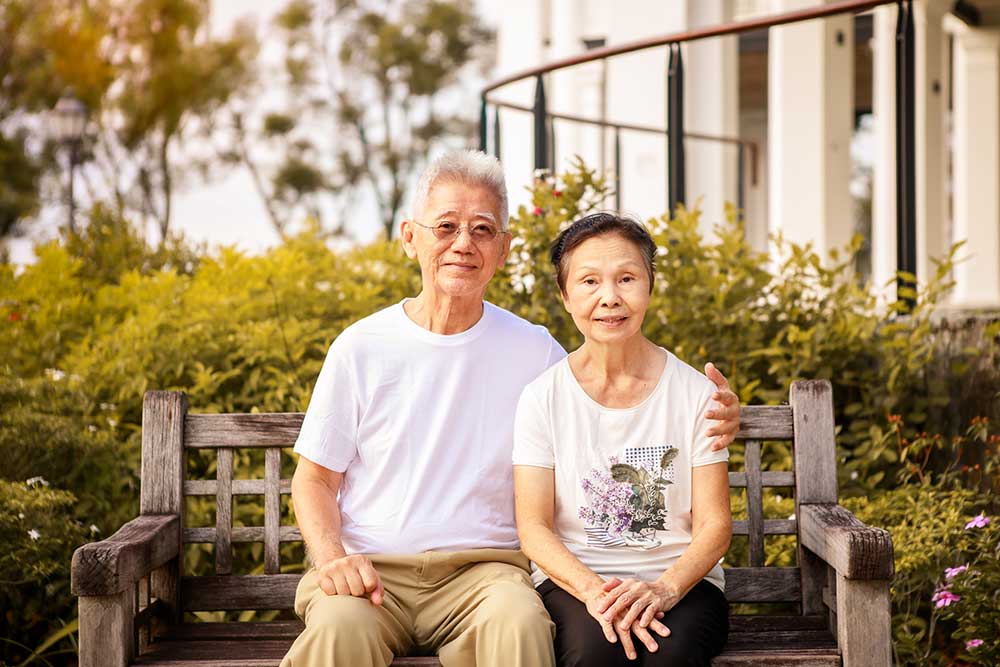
x=537, y=211
x=980, y=521
x=973, y=643
x=944, y=597
x=950, y=572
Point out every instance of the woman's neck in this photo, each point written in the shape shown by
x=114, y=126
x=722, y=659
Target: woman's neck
x=443, y=314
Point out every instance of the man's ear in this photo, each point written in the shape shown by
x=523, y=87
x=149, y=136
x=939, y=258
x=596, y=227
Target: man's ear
x=406, y=238
x=505, y=249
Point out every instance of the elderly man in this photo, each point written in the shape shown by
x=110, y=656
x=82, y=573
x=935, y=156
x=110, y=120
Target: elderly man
x=403, y=490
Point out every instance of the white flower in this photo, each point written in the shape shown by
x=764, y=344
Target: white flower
x=791, y=517
x=92, y=428
x=55, y=374
x=323, y=285
x=854, y=474
x=20, y=515
x=94, y=529
x=112, y=422
x=35, y=481
x=107, y=406
x=778, y=497
x=34, y=534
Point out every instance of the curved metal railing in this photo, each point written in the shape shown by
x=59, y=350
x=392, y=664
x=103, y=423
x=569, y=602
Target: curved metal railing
x=674, y=130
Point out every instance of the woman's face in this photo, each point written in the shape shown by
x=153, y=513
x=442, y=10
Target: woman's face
x=607, y=288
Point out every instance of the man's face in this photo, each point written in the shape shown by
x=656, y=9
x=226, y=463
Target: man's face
x=458, y=266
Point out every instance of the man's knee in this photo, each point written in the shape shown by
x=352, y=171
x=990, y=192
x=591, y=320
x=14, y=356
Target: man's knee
x=343, y=616
x=514, y=607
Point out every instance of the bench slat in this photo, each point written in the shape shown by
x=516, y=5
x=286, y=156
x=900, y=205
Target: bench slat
x=241, y=487
x=280, y=429
x=224, y=512
x=277, y=591
x=738, y=480
x=771, y=527
x=241, y=534
x=802, y=641
x=755, y=503
x=272, y=510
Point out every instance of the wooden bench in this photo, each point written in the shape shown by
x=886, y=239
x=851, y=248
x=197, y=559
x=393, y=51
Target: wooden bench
x=133, y=594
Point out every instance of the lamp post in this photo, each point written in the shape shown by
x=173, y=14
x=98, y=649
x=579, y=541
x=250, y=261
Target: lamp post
x=68, y=119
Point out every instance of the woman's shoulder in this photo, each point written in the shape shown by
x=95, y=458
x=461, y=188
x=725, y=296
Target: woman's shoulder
x=687, y=377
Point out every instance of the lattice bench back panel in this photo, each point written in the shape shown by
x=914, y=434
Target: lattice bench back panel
x=271, y=432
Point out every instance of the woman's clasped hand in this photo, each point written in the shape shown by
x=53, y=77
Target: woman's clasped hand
x=631, y=607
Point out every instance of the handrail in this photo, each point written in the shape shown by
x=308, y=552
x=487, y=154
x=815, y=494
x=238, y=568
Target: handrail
x=731, y=28
x=750, y=144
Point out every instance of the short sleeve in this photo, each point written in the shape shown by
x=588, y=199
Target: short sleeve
x=701, y=444
x=532, y=435
x=330, y=427
x=556, y=352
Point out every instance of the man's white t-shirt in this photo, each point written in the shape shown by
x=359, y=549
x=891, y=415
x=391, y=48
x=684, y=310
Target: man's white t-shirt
x=622, y=476
x=422, y=426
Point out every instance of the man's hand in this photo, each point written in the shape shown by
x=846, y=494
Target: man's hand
x=351, y=575
x=728, y=413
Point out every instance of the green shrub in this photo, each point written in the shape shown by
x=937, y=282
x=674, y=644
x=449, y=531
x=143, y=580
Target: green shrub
x=101, y=318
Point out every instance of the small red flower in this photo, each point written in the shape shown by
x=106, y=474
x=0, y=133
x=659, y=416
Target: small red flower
x=537, y=211
x=14, y=316
x=557, y=193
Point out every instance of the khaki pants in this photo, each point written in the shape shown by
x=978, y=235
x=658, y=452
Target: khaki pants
x=471, y=608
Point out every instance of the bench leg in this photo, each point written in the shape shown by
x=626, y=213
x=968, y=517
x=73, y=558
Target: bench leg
x=864, y=627
x=106, y=629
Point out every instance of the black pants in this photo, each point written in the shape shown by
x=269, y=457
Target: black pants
x=699, y=625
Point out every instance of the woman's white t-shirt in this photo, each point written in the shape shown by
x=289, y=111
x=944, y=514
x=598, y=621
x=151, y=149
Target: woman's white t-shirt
x=622, y=476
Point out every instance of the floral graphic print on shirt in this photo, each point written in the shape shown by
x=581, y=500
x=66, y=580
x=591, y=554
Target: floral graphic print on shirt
x=626, y=502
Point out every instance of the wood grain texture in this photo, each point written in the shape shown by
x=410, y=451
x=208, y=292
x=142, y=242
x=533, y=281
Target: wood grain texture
x=115, y=564
x=272, y=429
x=762, y=584
x=163, y=415
x=241, y=534
x=863, y=622
x=272, y=509
x=815, y=452
x=765, y=422
x=106, y=630
x=224, y=511
x=771, y=527
x=853, y=549
x=782, y=478
x=241, y=487
x=755, y=504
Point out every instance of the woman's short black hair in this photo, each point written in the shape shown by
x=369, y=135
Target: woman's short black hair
x=599, y=224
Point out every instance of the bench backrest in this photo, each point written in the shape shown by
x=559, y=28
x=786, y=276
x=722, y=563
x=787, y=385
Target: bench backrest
x=170, y=433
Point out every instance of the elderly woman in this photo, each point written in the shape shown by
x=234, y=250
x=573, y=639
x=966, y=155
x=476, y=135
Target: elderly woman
x=621, y=503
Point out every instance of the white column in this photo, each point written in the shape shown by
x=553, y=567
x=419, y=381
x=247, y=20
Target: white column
x=931, y=83
x=711, y=107
x=884, y=177
x=977, y=165
x=811, y=121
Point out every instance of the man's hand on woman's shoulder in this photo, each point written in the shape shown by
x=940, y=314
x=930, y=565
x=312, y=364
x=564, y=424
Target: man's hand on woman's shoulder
x=727, y=413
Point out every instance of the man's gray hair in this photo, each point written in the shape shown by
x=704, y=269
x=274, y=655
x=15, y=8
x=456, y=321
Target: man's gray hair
x=472, y=167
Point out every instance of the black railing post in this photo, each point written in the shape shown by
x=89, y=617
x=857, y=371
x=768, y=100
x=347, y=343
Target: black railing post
x=541, y=126
x=741, y=180
x=618, y=169
x=482, y=124
x=906, y=195
x=496, y=132
x=675, y=128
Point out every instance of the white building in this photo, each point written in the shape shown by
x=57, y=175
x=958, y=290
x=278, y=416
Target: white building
x=794, y=95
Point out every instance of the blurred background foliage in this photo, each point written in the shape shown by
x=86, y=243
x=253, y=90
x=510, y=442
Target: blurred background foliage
x=103, y=317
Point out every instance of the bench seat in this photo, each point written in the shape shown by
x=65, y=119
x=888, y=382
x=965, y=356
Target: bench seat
x=803, y=640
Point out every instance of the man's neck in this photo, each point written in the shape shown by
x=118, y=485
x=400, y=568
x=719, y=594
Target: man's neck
x=442, y=314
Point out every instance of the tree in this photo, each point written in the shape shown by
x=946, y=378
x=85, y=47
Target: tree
x=382, y=76
x=152, y=76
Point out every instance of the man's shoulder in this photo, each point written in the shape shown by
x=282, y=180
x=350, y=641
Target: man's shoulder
x=510, y=324
x=367, y=329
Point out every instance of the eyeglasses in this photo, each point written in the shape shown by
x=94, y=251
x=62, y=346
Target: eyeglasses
x=481, y=232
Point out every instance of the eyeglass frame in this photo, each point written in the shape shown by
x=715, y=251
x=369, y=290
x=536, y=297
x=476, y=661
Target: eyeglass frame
x=453, y=236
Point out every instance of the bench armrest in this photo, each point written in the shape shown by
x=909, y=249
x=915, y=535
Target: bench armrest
x=139, y=547
x=854, y=550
